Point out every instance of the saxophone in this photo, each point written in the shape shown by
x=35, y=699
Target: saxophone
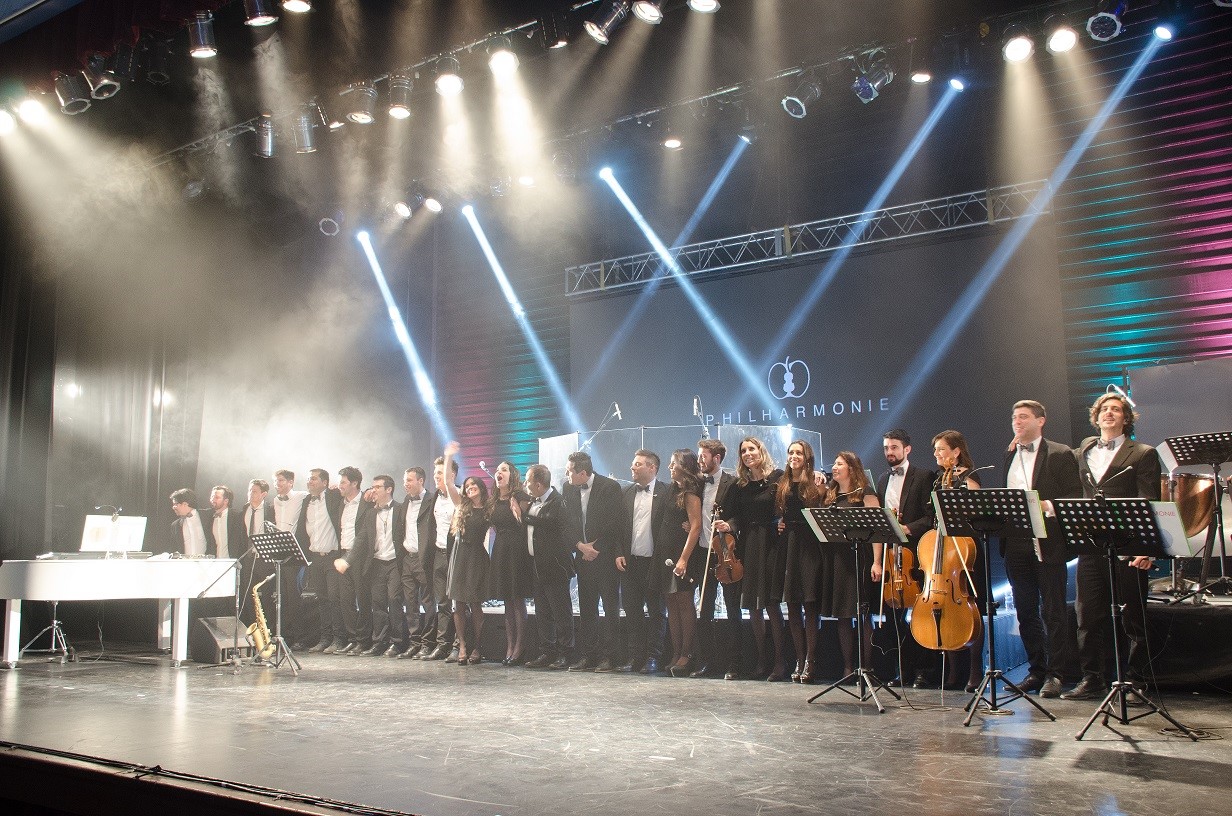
x=258, y=632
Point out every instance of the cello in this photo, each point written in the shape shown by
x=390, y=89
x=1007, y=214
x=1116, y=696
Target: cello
x=944, y=617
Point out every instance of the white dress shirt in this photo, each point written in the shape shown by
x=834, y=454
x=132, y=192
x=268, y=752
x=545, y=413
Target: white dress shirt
x=643, y=536
x=350, y=509
x=385, y=533
x=194, y=535
x=222, y=547
x=287, y=510
x=894, y=487
x=710, y=492
x=322, y=538
x=1098, y=459
x=443, y=509
x=411, y=542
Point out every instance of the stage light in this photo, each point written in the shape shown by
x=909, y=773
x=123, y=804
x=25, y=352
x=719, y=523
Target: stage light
x=259, y=13
x=796, y=103
x=32, y=112
x=73, y=93
x=1169, y=21
x=704, y=6
x=331, y=123
x=302, y=129
x=158, y=72
x=265, y=137
x=122, y=65
x=403, y=209
x=1105, y=24
x=554, y=32
x=7, y=123
x=921, y=76
x=1223, y=3
x=526, y=181
x=361, y=104
x=868, y=84
x=958, y=84
x=297, y=6
x=611, y=14
x=433, y=204
x=201, y=35
x=1061, y=35
x=331, y=225
x=748, y=133
x=448, y=80
x=672, y=141
x=502, y=62
x=1017, y=43
x=102, y=83
x=648, y=11
x=400, y=86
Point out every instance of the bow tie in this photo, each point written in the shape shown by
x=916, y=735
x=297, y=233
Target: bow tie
x=1028, y=447
x=538, y=500
x=219, y=513
x=708, y=480
x=1110, y=444
x=643, y=487
x=282, y=498
x=385, y=508
x=583, y=487
x=896, y=471
x=415, y=498
x=313, y=498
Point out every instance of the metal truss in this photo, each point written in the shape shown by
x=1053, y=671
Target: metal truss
x=784, y=245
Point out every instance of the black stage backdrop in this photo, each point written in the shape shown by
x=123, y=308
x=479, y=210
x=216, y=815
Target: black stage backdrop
x=860, y=342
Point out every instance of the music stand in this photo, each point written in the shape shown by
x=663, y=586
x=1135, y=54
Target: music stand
x=1211, y=449
x=276, y=547
x=982, y=514
x=1113, y=528
x=857, y=526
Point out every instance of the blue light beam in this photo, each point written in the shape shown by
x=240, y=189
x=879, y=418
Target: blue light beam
x=519, y=313
x=753, y=381
x=423, y=383
x=938, y=345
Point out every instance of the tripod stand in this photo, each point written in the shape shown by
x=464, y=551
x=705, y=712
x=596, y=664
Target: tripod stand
x=59, y=643
x=277, y=547
x=857, y=527
x=984, y=513
x=1211, y=449
x=1113, y=528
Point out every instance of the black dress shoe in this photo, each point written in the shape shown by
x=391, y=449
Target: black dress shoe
x=731, y=674
x=375, y=650
x=393, y=651
x=320, y=647
x=628, y=668
x=651, y=667
x=581, y=666
x=540, y=662
x=1032, y=682
x=1089, y=688
x=559, y=664
x=336, y=647
x=440, y=652
x=605, y=667
x=452, y=657
x=1051, y=687
x=356, y=648
x=922, y=680
x=701, y=671
x=413, y=650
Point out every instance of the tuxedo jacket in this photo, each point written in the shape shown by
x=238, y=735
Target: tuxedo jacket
x=553, y=546
x=333, y=506
x=1055, y=476
x=425, y=525
x=359, y=557
x=269, y=516
x=175, y=542
x=1142, y=480
x=237, y=536
x=915, y=502
x=607, y=526
x=658, y=504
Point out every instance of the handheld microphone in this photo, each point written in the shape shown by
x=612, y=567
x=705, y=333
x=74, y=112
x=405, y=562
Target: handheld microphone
x=484, y=467
x=686, y=578
x=616, y=410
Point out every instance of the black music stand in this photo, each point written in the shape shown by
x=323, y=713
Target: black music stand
x=1211, y=449
x=984, y=513
x=1114, y=528
x=857, y=526
x=277, y=547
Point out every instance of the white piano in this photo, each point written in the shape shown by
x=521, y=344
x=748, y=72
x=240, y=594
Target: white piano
x=174, y=581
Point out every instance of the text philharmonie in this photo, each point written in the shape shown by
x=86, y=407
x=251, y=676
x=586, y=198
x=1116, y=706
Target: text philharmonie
x=794, y=412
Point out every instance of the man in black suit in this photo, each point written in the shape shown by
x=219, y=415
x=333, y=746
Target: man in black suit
x=413, y=536
x=226, y=526
x=353, y=562
x=596, y=524
x=318, y=530
x=1036, y=568
x=1117, y=466
x=640, y=592
x=907, y=490
x=384, y=577
x=551, y=549
x=190, y=533
x=438, y=639
x=718, y=654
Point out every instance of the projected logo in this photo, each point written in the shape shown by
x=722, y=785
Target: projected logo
x=789, y=379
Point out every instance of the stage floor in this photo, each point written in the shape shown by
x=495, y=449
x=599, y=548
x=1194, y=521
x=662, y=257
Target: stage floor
x=432, y=738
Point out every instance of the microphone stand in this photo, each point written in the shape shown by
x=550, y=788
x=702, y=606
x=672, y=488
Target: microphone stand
x=602, y=425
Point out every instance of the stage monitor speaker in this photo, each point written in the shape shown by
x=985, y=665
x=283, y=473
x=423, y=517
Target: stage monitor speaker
x=212, y=640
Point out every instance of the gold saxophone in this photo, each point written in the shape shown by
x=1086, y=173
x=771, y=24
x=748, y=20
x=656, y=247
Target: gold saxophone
x=258, y=632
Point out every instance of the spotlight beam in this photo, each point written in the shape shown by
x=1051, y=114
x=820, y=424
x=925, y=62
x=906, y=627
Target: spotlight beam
x=754, y=383
x=528, y=331
x=643, y=299
x=423, y=383
x=948, y=328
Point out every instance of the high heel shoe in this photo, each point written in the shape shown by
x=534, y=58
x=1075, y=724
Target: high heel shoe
x=681, y=668
x=799, y=670
x=462, y=658
x=475, y=659
x=806, y=676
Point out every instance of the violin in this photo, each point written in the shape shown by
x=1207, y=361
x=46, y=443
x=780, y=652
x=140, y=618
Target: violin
x=729, y=568
x=900, y=589
x=944, y=616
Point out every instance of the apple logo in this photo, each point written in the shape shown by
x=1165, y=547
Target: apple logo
x=789, y=379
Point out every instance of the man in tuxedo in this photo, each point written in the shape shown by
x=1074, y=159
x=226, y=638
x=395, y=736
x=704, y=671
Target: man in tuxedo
x=353, y=562
x=640, y=590
x=551, y=550
x=596, y=524
x=300, y=628
x=717, y=654
x=190, y=533
x=259, y=509
x=318, y=531
x=1036, y=568
x=1115, y=465
x=226, y=526
x=907, y=490
x=384, y=578
x=288, y=502
x=438, y=641
x=413, y=537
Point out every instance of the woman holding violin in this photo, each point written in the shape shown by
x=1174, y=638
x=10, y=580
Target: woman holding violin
x=797, y=490
x=682, y=560
x=849, y=487
x=750, y=514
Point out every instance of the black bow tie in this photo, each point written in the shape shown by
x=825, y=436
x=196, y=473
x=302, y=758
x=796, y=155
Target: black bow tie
x=313, y=498
x=1110, y=444
x=383, y=509
x=896, y=471
x=1028, y=447
x=583, y=486
x=282, y=498
x=415, y=498
x=708, y=480
x=643, y=487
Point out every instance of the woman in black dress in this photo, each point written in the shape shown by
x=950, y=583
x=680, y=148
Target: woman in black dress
x=849, y=487
x=511, y=572
x=797, y=490
x=750, y=514
x=680, y=556
x=467, y=584
x=956, y=472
